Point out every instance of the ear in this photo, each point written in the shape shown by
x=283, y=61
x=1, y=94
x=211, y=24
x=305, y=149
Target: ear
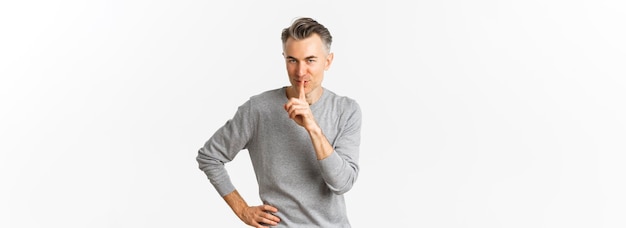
x=329, y=60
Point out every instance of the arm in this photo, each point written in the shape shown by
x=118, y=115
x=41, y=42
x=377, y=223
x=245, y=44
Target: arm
x=338, y=162
x=300, y=111
x=322, y=147
x=254, y=216
x=221, y=148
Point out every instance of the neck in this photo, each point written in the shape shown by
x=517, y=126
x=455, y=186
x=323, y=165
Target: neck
x=311, y=97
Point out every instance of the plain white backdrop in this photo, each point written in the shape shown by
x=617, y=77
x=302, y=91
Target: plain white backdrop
x=475, y=113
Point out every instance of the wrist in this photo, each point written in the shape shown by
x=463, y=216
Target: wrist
x=314, y=130
x=236, y=203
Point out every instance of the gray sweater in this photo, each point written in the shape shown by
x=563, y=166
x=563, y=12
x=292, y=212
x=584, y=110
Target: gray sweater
x=307, y=192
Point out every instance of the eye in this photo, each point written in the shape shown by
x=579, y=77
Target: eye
x=311, y=60
x=291, y=60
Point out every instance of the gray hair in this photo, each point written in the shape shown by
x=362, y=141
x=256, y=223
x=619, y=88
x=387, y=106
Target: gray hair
x=303, y=28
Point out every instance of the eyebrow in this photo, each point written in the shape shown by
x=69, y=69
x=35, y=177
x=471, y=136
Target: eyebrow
x=308, y=57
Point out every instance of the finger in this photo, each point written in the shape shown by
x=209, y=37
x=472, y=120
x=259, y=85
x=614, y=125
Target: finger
x=302, y=93
x=295, y=111
x=292, y=102
x=270, y=208
x=291, y=108
x=292, y=114
x=265, y=221
x=266, y=218
x=271, y=219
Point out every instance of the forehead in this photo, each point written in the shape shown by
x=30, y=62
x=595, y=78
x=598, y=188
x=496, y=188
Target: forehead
x=311, y=46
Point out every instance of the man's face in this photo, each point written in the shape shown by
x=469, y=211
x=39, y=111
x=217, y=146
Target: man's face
x=306, y=61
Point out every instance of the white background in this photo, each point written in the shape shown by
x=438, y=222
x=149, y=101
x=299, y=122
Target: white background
x=476, y=113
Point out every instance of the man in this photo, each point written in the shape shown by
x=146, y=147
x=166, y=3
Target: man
x=303, y=141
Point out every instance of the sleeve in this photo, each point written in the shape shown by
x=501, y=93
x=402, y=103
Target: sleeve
x=223, y=146
x=340, y=169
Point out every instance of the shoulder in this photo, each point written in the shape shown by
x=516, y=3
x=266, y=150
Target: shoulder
x=341, y=100
x=268, y=94
x=267, y=98
x=345, y=105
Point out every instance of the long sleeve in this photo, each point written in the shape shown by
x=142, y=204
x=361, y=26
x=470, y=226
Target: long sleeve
x=223, y=146
x=340, y=169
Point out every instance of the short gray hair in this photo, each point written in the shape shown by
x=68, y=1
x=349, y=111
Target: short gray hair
x=303, y=28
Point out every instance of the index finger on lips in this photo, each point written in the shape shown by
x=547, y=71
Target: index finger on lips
x=302, y=93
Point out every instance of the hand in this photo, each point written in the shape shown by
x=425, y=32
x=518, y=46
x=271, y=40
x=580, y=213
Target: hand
x=258, y=216
x=299, y=109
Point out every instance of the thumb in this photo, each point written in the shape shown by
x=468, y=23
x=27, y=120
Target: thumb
x=302, y=94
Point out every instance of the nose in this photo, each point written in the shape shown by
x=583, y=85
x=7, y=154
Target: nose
x=301, y=69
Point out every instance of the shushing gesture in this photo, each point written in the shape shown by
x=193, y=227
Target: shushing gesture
x=299, y=109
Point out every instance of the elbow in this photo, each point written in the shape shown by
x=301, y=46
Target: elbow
x=341, y=191
x=342, y=187
x=208, y=164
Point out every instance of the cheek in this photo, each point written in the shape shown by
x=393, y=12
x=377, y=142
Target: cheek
x=290, y=69
x=318, y=69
